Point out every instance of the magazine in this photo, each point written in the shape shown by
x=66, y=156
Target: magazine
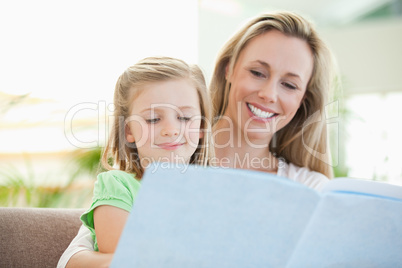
x=220, y=217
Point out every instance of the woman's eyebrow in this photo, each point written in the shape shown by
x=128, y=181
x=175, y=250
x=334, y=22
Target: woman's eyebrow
x=263, y=63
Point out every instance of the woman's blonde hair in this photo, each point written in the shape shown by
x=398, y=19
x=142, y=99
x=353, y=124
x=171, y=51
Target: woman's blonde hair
x=124, y=155
x=300, y=143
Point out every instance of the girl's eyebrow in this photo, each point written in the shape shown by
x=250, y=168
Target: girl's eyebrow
x=162, y=106
x=266, y=65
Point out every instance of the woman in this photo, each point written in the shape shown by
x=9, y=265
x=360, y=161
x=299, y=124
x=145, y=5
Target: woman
x=270, y=84
x=271, y=79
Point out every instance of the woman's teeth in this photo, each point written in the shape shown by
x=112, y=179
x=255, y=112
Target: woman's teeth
x=259, y=113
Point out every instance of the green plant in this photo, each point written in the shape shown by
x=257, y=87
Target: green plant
x=8, y=101
x=87, y=160
x=339, y=115
x=19, y=187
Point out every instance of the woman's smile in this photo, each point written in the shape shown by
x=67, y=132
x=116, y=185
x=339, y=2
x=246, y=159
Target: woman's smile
x=263, y=114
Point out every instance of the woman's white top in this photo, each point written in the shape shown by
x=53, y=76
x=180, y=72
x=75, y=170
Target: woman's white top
x=302, y=175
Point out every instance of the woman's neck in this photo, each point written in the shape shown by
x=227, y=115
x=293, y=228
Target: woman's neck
x=234, y=151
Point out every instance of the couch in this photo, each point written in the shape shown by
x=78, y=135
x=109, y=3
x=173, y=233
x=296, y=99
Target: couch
x=36, y=237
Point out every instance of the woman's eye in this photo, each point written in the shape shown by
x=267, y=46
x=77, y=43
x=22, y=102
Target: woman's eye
x=184, y=118
x=257, y=73
x=289, y=86
x=152, y=120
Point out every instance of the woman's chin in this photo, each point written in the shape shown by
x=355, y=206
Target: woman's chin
x=257, y=137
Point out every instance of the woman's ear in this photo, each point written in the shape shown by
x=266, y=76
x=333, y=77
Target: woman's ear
x=129, y=135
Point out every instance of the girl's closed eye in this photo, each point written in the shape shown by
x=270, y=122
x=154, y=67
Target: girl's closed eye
x=152, y=120
x=184, y=118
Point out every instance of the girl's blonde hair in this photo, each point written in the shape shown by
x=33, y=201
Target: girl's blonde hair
x=302, y=144
x=124, y=155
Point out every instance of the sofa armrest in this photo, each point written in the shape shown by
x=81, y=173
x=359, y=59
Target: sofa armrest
x=36, y=237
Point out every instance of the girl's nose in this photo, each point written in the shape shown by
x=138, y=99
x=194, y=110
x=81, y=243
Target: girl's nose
x=269, y=92
x=169, y=130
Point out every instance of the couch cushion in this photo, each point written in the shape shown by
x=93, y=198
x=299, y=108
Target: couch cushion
x=36, y=237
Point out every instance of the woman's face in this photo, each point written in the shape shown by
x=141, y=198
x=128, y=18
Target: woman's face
x=268, y=84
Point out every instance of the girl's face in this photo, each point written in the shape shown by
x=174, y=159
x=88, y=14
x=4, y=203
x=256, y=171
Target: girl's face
x=165, y=122
x=268, y=84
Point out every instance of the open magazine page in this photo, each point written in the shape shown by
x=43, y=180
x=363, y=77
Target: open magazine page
x=214, y=218
x=210, y=217
x=360, y=186
x=350, y=230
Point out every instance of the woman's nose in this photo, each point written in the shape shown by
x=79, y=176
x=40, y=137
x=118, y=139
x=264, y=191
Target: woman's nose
x=269, y=92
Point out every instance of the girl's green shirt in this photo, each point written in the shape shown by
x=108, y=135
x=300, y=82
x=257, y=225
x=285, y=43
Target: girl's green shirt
x=113, y=188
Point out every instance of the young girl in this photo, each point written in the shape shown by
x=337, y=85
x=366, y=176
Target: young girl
x=161, y=114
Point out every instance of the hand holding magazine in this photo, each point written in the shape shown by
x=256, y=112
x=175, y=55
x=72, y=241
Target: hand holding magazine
x=214, y=217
